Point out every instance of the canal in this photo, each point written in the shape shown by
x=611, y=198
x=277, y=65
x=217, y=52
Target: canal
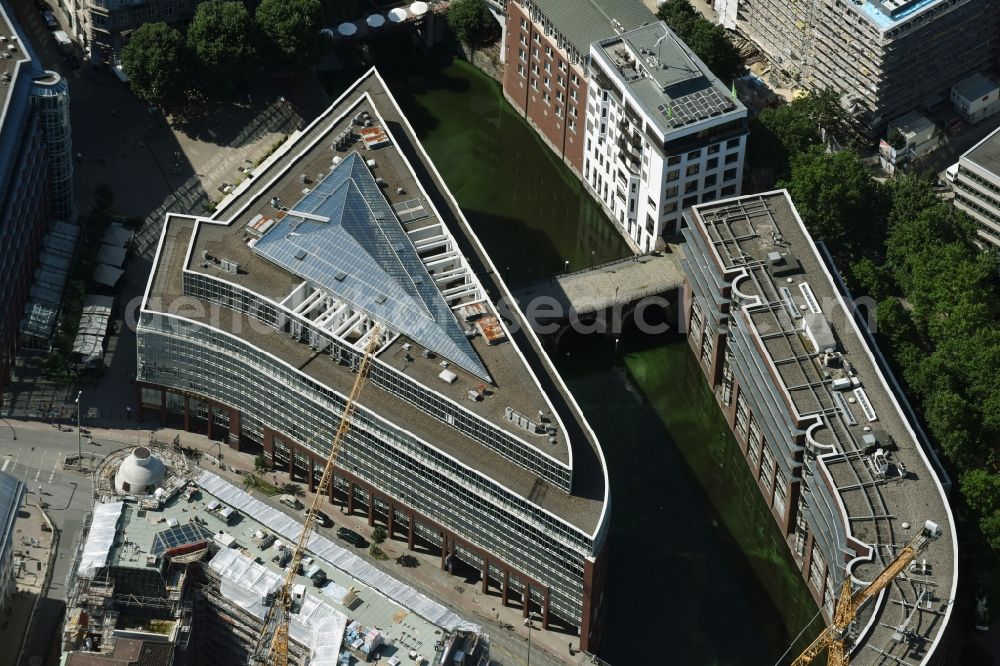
x=696, y=560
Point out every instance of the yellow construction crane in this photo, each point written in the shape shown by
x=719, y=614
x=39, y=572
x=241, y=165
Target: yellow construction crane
x=273, y=640
x=833, y=637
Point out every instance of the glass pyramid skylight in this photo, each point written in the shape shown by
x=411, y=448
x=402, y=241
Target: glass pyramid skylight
x=350, y=244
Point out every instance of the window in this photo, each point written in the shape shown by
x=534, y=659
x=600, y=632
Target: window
x=524, y=39
x=559, y=111
x=572, y=93
x=714, y=148
x=547, y=82
x=710, y=179
x=548, y=67
x=694, y=325
x=534, y=53
x=694, y=154
x=728, y=190
x=673, y=175
x=689, y=201
x=730, y=174
x=767, y=468
x=670, y=207
x=732, y=158
x=560, y=96
x=733, y=143
x=534, y=83
x=691, y=186
x=712, y=163
x=742, y=415
x=522, y=55
x=673, y=160
x=692, y=169
x=562, y=65
x=817, y=566
x=534, y=68
x=524, y=23
x=650, y=225
x=538, y=40
x=548, y=50
x=780, y=492
x=561, y=81
x=572, y=111
x=521, y=70
x=545, y=98
x=708, y=196
x=572, y=124
x=670, y=191
x=652, y=204
x=576, y=80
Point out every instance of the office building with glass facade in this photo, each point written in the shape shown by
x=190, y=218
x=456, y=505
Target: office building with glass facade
x=36, y=173
x=835, y=448
x=464, y=437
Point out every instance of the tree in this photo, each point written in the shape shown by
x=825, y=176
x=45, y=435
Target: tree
x=836, y=197
x=470, y=21
x=155, y=60
x=779, y=134
x=379, y=535
x=981, y=491
x=220, y=37
x=708, y=40
x=260, y=463
x=290, y=29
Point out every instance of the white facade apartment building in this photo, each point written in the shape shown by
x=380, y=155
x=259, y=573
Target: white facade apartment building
x=663, y=133
x=977, y=186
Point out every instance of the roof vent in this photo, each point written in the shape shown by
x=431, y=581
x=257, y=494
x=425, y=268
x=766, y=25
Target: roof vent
x=300, y=254
x=339, y=276
x=380, y=299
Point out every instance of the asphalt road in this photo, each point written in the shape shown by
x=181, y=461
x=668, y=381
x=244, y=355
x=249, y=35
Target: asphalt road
x=35, y=458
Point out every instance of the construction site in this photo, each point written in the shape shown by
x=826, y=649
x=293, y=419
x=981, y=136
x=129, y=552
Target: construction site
x=179, y=566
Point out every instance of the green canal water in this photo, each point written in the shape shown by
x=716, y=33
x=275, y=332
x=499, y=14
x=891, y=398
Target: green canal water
x=698, y=571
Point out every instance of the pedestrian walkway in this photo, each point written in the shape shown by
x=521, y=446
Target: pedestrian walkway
x=33, y=547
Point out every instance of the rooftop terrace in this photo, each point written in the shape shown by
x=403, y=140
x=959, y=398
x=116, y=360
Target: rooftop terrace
x=833, y=385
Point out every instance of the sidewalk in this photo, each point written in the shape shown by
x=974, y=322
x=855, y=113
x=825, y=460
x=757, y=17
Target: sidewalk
x=505, y=626
x=33, y=546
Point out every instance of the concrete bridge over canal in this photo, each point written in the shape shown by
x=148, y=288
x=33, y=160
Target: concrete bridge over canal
x=615, y=284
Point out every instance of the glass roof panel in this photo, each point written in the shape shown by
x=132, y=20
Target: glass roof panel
x=345, y=226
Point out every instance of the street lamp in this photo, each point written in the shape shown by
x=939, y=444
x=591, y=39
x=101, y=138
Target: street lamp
x=531, y=623
x=566, y=266
x=79, y=445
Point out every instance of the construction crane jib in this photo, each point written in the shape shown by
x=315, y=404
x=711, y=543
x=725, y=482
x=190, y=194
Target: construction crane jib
x=272, y=644
x=833, y=638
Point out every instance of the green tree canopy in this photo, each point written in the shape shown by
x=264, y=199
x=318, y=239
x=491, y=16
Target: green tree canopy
x=470, y=21
x=836, y=197
x=221, y=37
x=981, y=491
x=708, y=40
x=155, y=61
x=780, y=133
x=290, y=29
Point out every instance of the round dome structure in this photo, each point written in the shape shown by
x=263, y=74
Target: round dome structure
x=140, y=473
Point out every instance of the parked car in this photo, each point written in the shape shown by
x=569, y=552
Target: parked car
x=351, y=537
x=323, y=520
x=50, y=20
x=290, y=501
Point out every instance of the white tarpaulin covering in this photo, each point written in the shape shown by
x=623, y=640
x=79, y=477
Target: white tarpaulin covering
x=89, y=342
x=334, y=555
x=246, y=583
x=103, y=527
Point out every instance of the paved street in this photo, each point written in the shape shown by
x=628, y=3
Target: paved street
x=36, y=458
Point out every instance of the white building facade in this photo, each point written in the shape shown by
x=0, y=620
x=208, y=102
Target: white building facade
x=11, y=495
x=663, y=133
x=977, y=186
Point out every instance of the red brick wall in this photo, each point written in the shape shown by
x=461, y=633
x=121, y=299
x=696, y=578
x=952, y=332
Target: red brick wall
x=549, y=108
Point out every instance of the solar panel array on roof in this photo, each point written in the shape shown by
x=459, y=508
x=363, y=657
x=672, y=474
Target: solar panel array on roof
x=363, y=256
x=179, y=535
x=699, y=105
